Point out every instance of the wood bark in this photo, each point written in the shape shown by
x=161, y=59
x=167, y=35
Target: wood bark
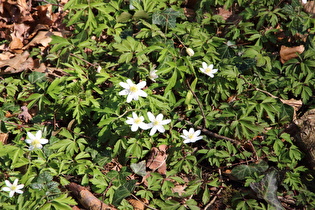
x=87, y=199
x=305, y=137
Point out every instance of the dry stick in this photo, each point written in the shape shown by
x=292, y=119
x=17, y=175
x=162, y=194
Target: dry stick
x=91, y=64
x=210, y=133
x=263, y=91
x=215, y=135
x=218, y=193
x=199, y=104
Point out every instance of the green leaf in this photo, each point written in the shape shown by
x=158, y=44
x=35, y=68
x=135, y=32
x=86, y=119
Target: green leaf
x=243, y=171
x=189, y=95
x=106, y=121
x=165, y=18
x=206, y=196
x=37, y=77
x=124, y=17
x=267, y=189
x=123, y=191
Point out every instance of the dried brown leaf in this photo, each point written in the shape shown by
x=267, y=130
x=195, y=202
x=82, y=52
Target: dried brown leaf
x=17, y=64
x=180, y=189
x=43, y=38
x=157, y=159
x=44, y=13
x=287, y=53
x=6, y=55
x=137, y=204
x=4, y=137
x=25, y=115
x=16, y=44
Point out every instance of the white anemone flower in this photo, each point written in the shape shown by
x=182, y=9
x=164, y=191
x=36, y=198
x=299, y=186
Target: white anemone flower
x=304, y=1
x=35, y=141
x=157, y=123
x=190, y=51
x=208, y=70
x=133, y=90
x=137, y=122
x=191, y=136
x=153, y=75
x=13, y=188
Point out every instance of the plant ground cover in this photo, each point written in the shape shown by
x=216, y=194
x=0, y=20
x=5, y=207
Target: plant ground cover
x=155, y=104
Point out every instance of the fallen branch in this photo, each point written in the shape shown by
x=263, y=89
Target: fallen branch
x=87, y=199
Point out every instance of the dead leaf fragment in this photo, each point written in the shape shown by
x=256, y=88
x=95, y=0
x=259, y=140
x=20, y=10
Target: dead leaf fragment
x=17, y=64
x=25, y=115
x=287, y=53
x=180, y=189
x=16, y=44
x=138, y=204
x=43, y=38
x=157, y=159
x=4, y=137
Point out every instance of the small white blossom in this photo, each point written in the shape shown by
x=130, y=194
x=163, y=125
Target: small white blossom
x=13, y=188
x=137, y=122
x=231, y=44
x=191, y=136
x=304, y=1
x=153, y=75
x=190, y=51
x=133, y=90
x=98, y=70
x=157, y=123
x=208, y=70
x=36, y=141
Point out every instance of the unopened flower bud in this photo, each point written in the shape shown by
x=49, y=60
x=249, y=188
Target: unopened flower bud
x=190, y=51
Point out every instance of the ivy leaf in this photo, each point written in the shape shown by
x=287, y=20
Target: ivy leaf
x=36, y=77
x=165, y=18
x=139, y=168
x=123, y=191
x=267, y=189
x=243, y=171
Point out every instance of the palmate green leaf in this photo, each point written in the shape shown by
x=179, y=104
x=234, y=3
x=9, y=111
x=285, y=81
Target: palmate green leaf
x=106, y=121
x=124, y=17
x=267, y=189
x=63, y=202
x=243, y=171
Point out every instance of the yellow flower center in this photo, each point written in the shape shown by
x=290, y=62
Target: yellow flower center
x=134, y=88
x=138, y=121
x=190, y=136
x=35, y=142
x=156, y=123
x=13, y=187
x=208, y=70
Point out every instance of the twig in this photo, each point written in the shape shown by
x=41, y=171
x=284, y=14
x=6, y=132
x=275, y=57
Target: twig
x=91, y=64
x=212, y=134
x=258, y=89
x=218, y=193
x=214, y=198
x=199, y=104
x=254, y=150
